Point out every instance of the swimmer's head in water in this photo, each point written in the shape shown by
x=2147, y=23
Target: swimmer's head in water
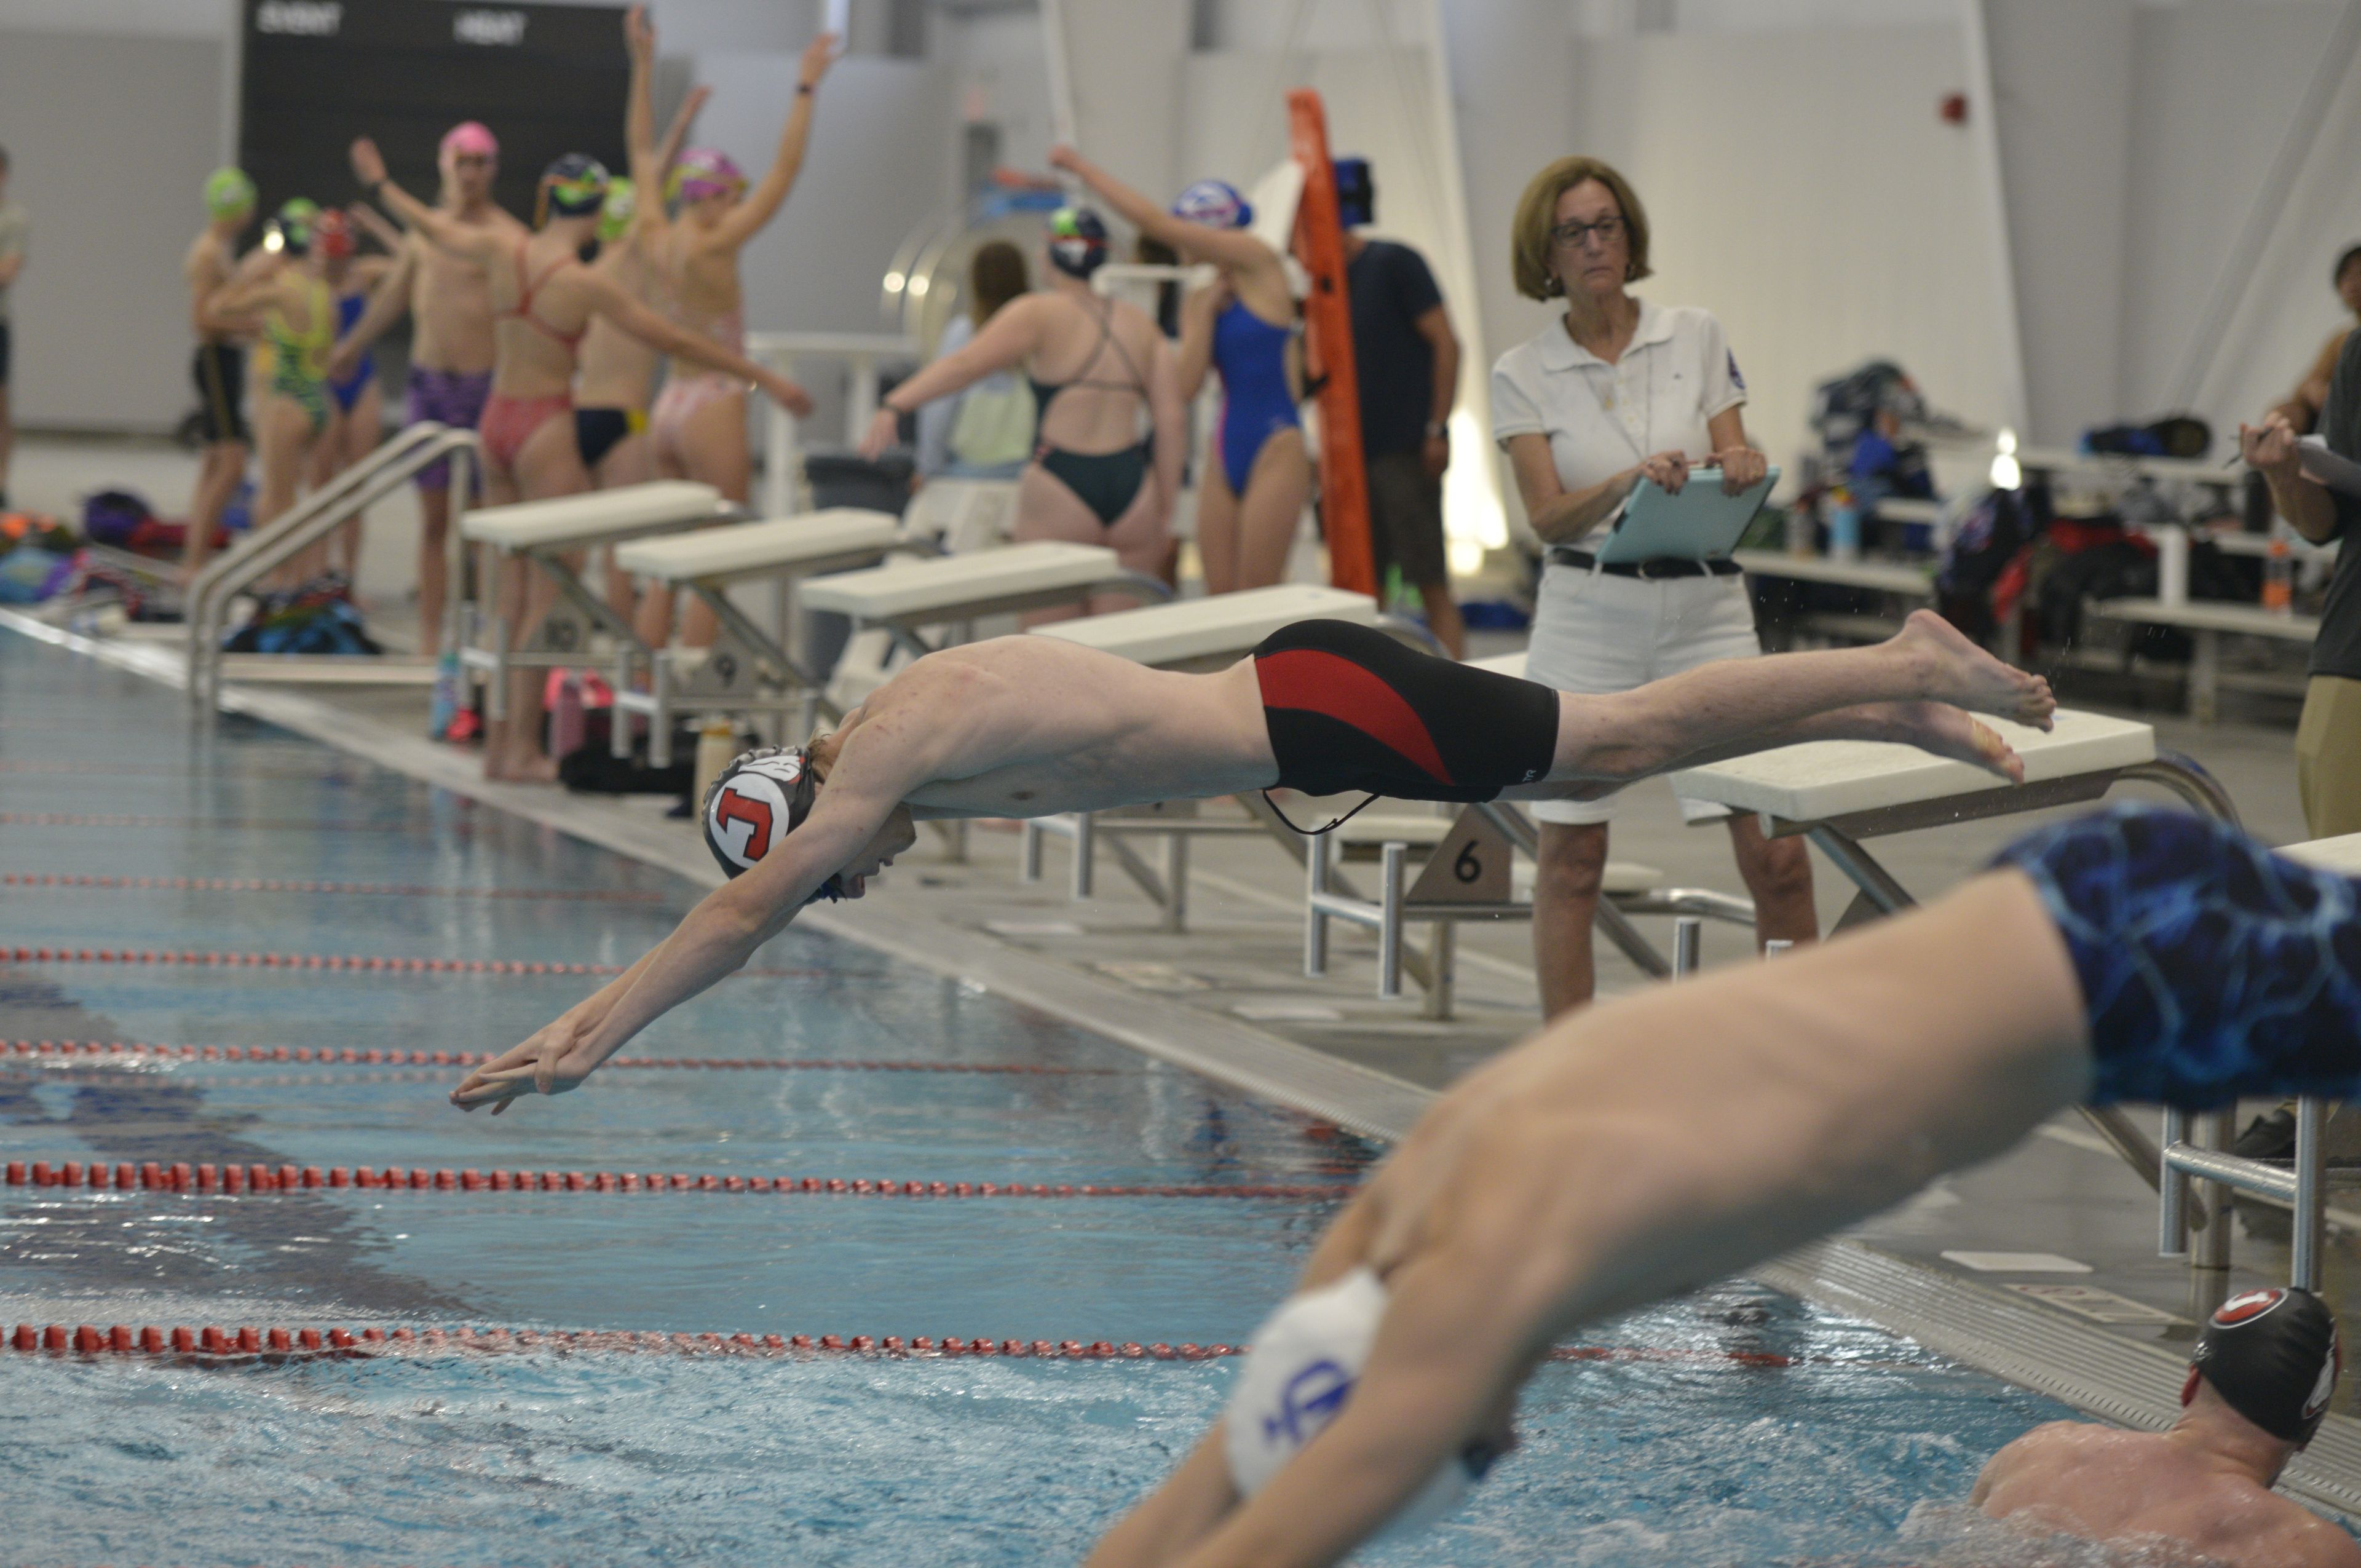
x=291, y=225
x=622, y=206
x=228, y=193
x=332, y=232
x=574, y=186
x=2273, y=1355
x=1356, y=194
x=1078, y=241
x=1216, y=204
x=703, y=172
x=755, y=803
x=1305, y=1360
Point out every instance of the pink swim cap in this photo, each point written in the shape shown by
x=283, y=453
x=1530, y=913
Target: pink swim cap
x=468, y=137
x=703, y=172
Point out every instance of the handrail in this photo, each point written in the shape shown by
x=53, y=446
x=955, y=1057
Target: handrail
x=350, y=493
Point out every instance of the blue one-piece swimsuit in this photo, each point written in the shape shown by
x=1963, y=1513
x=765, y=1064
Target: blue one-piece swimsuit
x=2210, y=968
x=1256, y=403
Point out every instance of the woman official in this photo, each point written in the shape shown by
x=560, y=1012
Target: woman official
x=1615, y=391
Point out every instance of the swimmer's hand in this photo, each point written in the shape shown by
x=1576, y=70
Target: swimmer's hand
x=884, y=430
x=553, y=1060
x=369, y=164
x=343, y=361
x=784, y=393
x=819, y=55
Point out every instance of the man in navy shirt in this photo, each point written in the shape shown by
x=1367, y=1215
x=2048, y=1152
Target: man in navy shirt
x=1408, y=365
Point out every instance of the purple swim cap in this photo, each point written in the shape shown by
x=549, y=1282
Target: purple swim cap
x=703, y=172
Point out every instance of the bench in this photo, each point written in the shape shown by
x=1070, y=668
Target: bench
x=747, y=670
x=964, y=514
x=1894, y=579
x=2208, y=621
x=544, y=533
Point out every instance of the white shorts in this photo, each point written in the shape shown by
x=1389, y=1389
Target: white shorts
x=1597, y=633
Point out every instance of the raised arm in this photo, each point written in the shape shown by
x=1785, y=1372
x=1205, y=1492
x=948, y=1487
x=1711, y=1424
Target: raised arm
x=746, y=219
x=651, y=159
x=611, y=300
x=1195, y=242
x=462, y=239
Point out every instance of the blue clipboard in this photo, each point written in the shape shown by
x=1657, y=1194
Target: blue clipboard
x=1699, y=524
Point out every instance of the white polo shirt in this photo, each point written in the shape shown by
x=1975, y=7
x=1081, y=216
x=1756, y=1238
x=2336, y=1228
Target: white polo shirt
x=1602, y=419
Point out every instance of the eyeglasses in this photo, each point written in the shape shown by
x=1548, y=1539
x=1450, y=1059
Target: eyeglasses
x=1569, y=237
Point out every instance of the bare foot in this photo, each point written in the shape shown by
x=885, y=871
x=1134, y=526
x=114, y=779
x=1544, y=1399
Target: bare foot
x=1946, y=731
x=1963, y=673
x=501, y=768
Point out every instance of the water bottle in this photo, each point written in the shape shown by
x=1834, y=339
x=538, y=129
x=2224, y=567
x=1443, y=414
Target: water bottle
x=1844, y=528
x=2279, y=572
x=1798, y=527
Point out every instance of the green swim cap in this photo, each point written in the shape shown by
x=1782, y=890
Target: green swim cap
x=229, y=191
x=293, y=221
x=623, y=206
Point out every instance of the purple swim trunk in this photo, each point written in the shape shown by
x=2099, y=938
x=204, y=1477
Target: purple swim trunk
x=449, y=396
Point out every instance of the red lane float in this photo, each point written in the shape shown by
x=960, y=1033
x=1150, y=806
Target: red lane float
x=380, y=889
x=344, y=961
x=104, y=1052
x=293, y=825
x=231, y=1179
x=215, y=1344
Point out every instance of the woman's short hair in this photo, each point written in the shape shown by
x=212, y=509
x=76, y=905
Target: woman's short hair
x=1529, y=234
x=996, y=275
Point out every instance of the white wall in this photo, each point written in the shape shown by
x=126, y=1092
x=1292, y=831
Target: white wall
x=1801, y=187
x=2218, y=84
x=111, y=140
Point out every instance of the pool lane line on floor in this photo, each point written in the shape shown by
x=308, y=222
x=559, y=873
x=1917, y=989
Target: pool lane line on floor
x=240, y=824
x=368, y=889
x=234, y=1179
x=348, y=962
x=216, y=1345
x=117, y=1054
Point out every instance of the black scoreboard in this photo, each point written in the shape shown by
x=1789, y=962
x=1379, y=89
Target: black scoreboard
x=548, y=80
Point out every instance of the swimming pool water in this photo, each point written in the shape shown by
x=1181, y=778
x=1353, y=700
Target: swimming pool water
x=1693, y=1451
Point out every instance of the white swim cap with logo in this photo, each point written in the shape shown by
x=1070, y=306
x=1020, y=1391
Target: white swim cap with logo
x=754, y=803
x=1300, y=1371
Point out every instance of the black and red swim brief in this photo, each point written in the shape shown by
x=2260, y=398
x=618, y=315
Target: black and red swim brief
x=1349, y=708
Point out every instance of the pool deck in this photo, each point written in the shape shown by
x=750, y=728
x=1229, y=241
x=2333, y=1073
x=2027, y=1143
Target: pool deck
x=1228, y=998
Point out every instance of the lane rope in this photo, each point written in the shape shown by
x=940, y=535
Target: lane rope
x=214, y=1344
x=379, y=889
x=121, y=1054
x=347, y=963
x=266, y=824
x=240, y=1180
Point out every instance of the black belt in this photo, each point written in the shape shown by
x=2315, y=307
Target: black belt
x=1658, y=567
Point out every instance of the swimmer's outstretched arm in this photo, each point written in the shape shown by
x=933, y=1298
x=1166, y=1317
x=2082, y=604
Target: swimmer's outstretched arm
x=872, y=773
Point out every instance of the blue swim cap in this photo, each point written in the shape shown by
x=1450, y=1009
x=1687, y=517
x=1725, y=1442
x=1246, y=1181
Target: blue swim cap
x=1216, y=204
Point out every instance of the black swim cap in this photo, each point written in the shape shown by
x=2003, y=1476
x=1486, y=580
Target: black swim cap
x=2273, y=1355
x=1077, y=242
x=575, y=184
x=755, y=803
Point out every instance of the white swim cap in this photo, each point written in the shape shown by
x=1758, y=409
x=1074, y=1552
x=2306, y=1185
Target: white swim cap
x=1297, y=1376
